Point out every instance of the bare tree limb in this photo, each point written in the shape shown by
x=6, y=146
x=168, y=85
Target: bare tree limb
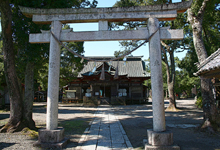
x=202, y=9
x=165, y=45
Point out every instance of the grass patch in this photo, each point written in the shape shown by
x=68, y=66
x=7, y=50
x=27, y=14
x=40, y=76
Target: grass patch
x=3, y=122
x=139, y=148
x=74, y=126
x=4, y=110
x=199, y=102
x=29, y=132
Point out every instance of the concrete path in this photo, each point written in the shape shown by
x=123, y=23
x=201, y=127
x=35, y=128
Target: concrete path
x=105, y=132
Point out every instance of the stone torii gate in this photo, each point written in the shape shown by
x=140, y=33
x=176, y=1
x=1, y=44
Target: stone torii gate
x=158, y=137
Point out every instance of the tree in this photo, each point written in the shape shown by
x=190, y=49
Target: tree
x=2, y=74
x=168, y=47
x=170, y=71
x=13, y=84
x=195, y=16
x=21, y=111
x=70, y=65
x=185, y=83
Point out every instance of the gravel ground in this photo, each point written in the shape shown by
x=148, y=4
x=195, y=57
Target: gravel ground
x=69, y=115
x=184, y=124
x=135, y=119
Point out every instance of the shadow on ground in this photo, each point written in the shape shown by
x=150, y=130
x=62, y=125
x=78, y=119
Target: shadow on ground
x=184, y=124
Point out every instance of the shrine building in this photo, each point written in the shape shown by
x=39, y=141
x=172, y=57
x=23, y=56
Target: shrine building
x=110, y=80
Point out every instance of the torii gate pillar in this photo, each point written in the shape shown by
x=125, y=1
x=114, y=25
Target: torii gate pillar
x=158, y=137
x=53, y=78
x=53, y=136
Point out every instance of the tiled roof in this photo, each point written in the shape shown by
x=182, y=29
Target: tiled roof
x=209, y=64
x=134, y=67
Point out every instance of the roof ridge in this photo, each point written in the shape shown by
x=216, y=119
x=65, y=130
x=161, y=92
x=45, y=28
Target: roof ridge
x=208, y=59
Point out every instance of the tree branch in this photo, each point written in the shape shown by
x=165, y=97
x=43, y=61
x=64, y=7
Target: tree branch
x=190, y=15
x=180, y=51
x=202, y=9
x=165, y=45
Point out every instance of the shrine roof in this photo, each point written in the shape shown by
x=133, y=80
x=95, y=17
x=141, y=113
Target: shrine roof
x=210, y=64
x=133, y=67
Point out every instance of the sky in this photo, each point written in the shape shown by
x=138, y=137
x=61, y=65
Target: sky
x=107, y=48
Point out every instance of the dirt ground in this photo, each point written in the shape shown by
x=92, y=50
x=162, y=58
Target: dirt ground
x=73, y=117
x=136, y=119
x=184, y=124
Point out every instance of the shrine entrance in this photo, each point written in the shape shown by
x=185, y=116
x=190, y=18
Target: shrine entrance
x=105, y=91
x=158, y=137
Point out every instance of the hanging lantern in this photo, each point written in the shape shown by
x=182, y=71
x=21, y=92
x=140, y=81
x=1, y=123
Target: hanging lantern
x=116, y=71
x=102, y=76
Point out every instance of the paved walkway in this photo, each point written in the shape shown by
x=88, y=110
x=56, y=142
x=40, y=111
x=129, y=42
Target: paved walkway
x=105, y=132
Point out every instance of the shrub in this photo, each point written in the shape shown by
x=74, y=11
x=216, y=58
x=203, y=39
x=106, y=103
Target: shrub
x=199, y=102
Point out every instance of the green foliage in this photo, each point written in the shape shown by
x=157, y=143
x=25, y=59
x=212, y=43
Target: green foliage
x=2, y=75
x=27, y=52
x=188, y=63
x=130, y=3
x=199, y=102
x=185, y=83
x=211, y=27
x=70, y=65
x=33, y=134
x=148, y=82
x=125, y=3
x=42, y=76
x=57, y=3
x=77, y=125
x=39, y=53
x=127, y=46
x=211, y=36
x=120, y=53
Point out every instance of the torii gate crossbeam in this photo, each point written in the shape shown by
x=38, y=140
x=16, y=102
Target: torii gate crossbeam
x=141, y=34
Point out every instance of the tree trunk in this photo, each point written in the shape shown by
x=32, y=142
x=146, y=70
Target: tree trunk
x=170, y=84
x=14, y=123
x=209, y=108
x=29, y=96
x=170, y=77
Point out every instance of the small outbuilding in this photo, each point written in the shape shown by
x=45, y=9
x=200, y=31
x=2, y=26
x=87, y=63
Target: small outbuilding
x=210, y=68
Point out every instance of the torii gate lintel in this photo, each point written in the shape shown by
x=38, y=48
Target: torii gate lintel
x=105, y=35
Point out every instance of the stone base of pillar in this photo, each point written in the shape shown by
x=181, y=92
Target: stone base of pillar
x=151, y=147
x=51, y=138
x=160, y=141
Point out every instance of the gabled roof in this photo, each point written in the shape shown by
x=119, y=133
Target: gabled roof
x=210, y=64
x=133, y=67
